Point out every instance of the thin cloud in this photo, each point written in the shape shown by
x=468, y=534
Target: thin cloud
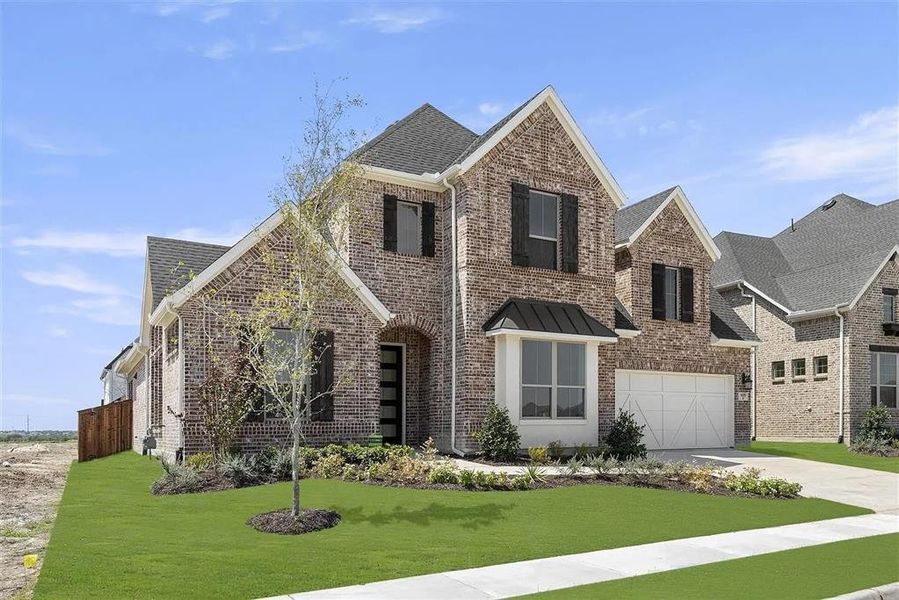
x=398, y=19
x=107, y=310
x=53, y=144
x=73, y=279
x=59, y=332
x=301, y=41
x=215, y=13
x=866, y=149
x=219, y=50
x=120, y=244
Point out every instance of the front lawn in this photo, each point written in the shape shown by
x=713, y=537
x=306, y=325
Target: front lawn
x=814, y=572
x=113, y=539
x=826, y=452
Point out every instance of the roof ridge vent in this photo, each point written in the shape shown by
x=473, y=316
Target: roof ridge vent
x=829, y=204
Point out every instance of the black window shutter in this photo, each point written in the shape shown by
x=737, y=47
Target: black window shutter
x=658, y=291
x=389, y=222
x=427, y=229
x=520, y=198
x=569, y=233
x=686, y=294
x=323, y=378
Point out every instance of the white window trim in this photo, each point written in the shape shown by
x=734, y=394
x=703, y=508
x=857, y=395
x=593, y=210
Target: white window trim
x=793, y=372
x=778, y=377
x=878, y=385
x=554, y=386
x=417, y=208
x=540, y=431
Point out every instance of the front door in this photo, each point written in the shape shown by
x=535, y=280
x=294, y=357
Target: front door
x=392, y=394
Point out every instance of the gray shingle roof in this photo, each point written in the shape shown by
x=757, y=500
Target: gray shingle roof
x=727, y=324
x=821, y=262
x=553, y=317
x=424, y=141
x=171, y=262
x=481, y=139
x=629, y=218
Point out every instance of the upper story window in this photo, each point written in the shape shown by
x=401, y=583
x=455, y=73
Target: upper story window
x=672, y=293
x=820, y=364
x=408, y=227
x=777, y=369
x=798, y=367
x=543, y=229
x=884, y=366
x=552, y=380
x=889, y=307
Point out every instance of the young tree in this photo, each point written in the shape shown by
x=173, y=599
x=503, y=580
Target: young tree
x=303, y=258
x=226, y=398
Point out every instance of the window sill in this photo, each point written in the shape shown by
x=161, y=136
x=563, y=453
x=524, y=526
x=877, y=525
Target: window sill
x=799, y=379
x=821, y=377
x=778, y=380
x=550, y=421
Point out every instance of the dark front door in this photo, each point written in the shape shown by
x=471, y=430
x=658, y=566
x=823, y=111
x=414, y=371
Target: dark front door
x=392, y=394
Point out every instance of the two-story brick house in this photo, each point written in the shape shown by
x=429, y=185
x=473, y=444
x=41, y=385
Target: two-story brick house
x=500, y=267
x=822, y=297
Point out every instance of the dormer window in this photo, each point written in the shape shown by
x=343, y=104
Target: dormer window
x=672, y=293
x=408, y=227
x=544, y=229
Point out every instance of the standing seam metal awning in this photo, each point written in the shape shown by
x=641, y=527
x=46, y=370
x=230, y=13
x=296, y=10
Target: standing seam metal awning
x=546, y=317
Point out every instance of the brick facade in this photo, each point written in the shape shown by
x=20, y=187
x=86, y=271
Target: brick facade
x=808, y=407
x=417, y=291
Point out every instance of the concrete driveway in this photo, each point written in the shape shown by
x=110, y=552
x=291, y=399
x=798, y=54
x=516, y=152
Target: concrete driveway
x=876, y=490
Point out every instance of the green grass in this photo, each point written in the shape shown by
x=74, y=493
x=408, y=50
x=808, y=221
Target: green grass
x=112, y=539
x=834, y=453
x=814, y=572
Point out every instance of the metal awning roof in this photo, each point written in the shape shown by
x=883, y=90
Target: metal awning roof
x=525, y=315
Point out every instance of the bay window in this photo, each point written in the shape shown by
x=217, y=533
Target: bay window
x=553, y=378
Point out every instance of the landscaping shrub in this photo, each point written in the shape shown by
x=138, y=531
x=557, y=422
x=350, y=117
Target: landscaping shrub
x=176, y=479
x=582, y=451
x=276, y=462
x=429, y=450
x=602, y=465
x=574, y=465
x=876, y=437
x=751, y=482
x=701, y=477
x=539, y=455
x=533, y=474
x=625, y=439
x=243, y=469
x=329, y=466
x=445, y=473
x=199, y=461
x=555, y=450
x=498, y=437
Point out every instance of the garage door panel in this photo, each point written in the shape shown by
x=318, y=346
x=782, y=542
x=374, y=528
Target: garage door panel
x=682, y=411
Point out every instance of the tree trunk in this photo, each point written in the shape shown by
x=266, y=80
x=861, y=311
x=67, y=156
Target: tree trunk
x=295, y=463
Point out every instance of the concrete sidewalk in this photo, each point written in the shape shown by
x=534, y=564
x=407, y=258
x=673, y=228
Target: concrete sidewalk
x=540, y=575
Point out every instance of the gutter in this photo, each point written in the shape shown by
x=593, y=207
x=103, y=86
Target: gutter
x=842, y=383
x=452, y=172
x=753, y=360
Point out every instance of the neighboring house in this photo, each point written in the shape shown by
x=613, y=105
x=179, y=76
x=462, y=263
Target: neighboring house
x=821, y=295
x=499, y=267
x=115, y=385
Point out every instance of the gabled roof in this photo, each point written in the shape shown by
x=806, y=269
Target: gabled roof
x=426, y=147
x=631, y=221
x=424, y=141
x=727, y=324
x=171, y=263
x=825, y=260
x=538, y=316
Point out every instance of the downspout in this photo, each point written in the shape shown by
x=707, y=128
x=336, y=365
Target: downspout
x=181, y=384
x=454, y=276
x=841, y=408
x=753, y=360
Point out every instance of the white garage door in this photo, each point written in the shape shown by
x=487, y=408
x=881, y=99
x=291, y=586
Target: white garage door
x=679, y=410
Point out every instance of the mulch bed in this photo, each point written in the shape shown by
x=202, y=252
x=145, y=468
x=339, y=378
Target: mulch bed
x=283, y=522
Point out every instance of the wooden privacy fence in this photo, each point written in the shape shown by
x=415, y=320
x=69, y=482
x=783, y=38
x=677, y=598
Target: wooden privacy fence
x=104, y=430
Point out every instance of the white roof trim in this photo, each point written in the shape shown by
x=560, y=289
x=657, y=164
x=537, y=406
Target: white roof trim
x=628, y=333
x=677, y=196
x=721, y=343
x=874, y=276
x=549, y=335
x=425, y=181
x=131, y=359
x=549, y=96
x=177, y=299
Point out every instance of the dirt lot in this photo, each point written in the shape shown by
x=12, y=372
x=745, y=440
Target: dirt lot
x=32, y=476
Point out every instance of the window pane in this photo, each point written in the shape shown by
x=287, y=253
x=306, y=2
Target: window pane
x=388, y=412
x=888, y=396
x=388, y=374
x=388, y=430
x=671, y=293
x=388, y=393
x=543, y=215
x=799, y=367
x=536, y=362
x=542, y=253
x=535, y=402
x=889, y=309
x=570, y=361
x=873, y=368
x=820, y=365
x=570, y=402
x=777, y=369
x=388, y=356
x=888, y=369
x=408, y=232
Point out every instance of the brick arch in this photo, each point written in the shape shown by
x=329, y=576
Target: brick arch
x=415, y=322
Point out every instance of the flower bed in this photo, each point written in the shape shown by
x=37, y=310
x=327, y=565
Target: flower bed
x=400, y=466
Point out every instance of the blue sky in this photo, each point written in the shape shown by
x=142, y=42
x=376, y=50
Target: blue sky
x=121, y=120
